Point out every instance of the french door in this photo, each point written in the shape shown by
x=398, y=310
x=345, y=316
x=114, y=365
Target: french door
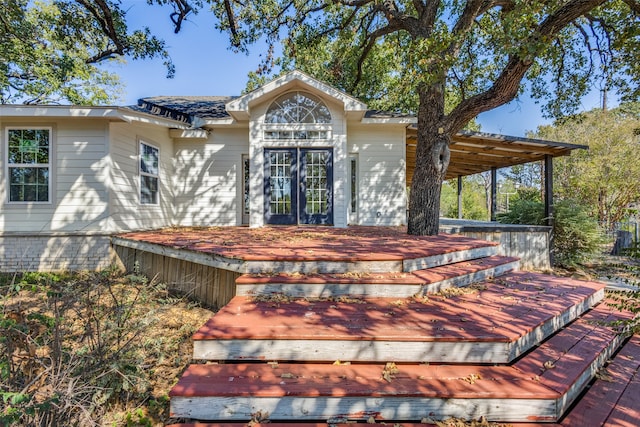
x=298, y=186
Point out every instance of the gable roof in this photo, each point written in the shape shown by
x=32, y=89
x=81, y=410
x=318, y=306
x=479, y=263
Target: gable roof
x=239, y=107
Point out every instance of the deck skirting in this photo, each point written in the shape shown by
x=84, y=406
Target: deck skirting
x=209, y=285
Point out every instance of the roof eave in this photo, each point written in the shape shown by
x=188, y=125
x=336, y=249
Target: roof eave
x=59, y=111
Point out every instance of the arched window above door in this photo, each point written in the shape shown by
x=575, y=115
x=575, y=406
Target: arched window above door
x=297, y=115
x=298, y=107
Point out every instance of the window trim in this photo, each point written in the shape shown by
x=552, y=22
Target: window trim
x=142, y=142
x=8, y=166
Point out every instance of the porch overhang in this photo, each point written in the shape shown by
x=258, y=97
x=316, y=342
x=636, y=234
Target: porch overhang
x=476, y=152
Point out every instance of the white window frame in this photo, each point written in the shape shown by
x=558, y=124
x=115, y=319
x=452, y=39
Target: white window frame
x=286, y=131
x=9, y=166
x=141, y=174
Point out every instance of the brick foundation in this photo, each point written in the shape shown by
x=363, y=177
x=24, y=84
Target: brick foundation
x=20, y=252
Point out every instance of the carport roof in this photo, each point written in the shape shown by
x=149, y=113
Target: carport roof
x=475, y=152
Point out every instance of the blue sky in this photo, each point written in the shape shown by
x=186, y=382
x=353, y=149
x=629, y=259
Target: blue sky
x=205, y=66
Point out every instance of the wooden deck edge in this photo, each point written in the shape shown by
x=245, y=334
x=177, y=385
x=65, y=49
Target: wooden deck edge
x=601, y=401
x=309, y=267
x=211, y=260
x=359, y=408
x=587, y=376
x=409, y=265
x=470, y=278
x=330, y=350
x=400, y=290
x=554, y=324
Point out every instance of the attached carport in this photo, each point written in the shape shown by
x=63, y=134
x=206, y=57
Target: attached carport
x=476, y=152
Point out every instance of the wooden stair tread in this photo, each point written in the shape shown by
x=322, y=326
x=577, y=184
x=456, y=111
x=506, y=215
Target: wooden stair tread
x=418, y=277
x=613, y=399
x=358, y=380
x=334, y=424
x=499, y=311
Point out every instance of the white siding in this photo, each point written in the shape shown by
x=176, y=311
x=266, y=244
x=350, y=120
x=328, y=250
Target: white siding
x=79, y=197
x=208, y=178
x=381, y=172
x=127, y=213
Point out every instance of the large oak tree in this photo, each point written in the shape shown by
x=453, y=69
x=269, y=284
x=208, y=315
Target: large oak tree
x=445, y=61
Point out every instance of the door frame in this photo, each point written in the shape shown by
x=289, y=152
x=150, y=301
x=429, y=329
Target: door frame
x=298, y=215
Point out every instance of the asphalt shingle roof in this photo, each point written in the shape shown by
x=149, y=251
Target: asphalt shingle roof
x=185, y=108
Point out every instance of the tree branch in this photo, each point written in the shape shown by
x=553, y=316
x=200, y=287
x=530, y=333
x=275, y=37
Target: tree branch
x=233, y=26
x=506, y=86
x=182, y=10
x=373, y=37
x=103, y=15
x=633, y=5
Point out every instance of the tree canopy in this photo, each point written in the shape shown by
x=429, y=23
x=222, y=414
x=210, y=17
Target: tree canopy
x=444, y=60
x=50, y=51
x=605, y=177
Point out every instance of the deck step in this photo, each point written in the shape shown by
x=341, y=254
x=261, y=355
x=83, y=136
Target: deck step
x=387, y=284
x=539, y=387
x=613, y=398
x=491, y=322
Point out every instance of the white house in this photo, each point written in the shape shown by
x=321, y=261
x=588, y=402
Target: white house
x=295, y=151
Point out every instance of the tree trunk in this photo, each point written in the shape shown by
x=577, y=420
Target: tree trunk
x=432, y=160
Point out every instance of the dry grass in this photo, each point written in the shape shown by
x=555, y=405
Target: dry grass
x=91, y=349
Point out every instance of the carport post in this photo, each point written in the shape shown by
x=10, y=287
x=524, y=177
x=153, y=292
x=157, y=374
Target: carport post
x=548, y=201
x=494, y=193
x=459, y=197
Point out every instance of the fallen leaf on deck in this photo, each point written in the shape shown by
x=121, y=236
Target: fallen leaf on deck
x=471, y=378
x=389, y=371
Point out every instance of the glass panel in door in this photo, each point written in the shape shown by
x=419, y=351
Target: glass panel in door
x=280, y=184
x=316, y=201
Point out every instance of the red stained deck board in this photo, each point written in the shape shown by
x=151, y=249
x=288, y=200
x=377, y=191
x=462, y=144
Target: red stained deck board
x=356, y=243
x=418, y=277
x=613, y=399
x=495, y=314
x=378, y=319
x=627, y=410
x=567, y=351
x=316, y=380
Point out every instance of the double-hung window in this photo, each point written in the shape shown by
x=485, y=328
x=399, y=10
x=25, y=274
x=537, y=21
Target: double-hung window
x=149, y=174
x=29, y=164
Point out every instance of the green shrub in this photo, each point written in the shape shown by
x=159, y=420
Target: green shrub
x=629, y=300
x=576, y=235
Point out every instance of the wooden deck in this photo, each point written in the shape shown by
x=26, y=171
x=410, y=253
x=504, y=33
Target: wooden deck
x=361, y=324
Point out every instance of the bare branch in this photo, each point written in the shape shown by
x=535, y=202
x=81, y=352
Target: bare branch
x=231, y=20
x=182, y=10
x=103, y=15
